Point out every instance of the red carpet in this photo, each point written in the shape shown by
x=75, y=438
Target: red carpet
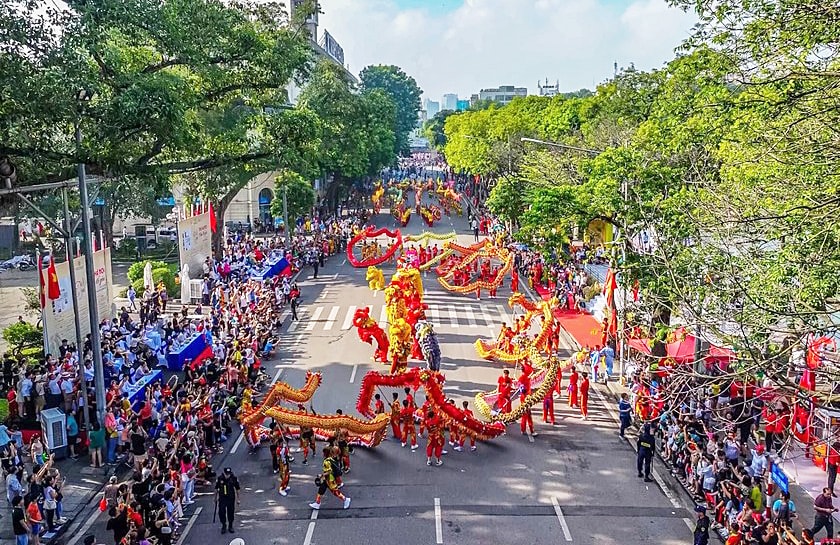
x=583, y=327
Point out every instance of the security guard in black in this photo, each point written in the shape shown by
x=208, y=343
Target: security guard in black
x=646, y=444
x=227, y=492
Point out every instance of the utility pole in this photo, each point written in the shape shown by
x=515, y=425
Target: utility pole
x=68, y=246
x=93, y=311
x=622, y=333
x=286, y=220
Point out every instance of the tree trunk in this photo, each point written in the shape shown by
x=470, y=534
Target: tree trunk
x=108, y=218
x=219, y=211
x=661, y=317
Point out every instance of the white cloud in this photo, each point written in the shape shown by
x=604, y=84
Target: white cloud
x=485, y=43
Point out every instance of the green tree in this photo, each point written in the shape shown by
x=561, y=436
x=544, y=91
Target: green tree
x=22, y=335
x=299, y=194
x=178, y=87
x=405, y=93
x=434, y=129
x=508, y=199
x=380, y=114
x=355, y=129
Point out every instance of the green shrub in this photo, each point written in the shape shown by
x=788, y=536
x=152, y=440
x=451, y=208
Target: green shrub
x=163, y=274
x=21, y=335
x=135, y=272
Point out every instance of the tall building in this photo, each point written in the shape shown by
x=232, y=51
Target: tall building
x=432, y=107
x=502, y=94
x=450, y=102
x=463, y=105
x=548, y=90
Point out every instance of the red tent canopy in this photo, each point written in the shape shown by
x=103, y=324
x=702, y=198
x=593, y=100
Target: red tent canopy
x=640, y=345
x=683, y=351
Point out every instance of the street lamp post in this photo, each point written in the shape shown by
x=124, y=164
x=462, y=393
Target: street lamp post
x=93, y=312
x=286, y=220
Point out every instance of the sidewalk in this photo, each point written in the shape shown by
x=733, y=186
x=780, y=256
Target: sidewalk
x=82, y=484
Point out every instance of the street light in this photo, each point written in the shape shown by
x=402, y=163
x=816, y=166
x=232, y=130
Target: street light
x=8, y=172
x=84, y=96
x=561, y=146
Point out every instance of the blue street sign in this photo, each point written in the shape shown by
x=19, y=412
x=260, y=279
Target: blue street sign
x=779, y=477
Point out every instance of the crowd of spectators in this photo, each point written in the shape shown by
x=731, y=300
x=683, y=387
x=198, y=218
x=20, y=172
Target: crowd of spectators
x=166, y=439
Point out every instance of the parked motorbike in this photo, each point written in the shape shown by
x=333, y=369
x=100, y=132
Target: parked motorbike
x=19, y=262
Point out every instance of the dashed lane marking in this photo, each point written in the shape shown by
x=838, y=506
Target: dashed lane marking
x=567, y=535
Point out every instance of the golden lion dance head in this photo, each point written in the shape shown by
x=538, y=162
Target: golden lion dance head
x=375, y=278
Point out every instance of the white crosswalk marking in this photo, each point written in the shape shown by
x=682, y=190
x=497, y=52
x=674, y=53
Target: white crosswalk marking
x=488, y=322
x=296, y=323
x=503, y=314
x=383, y=317
x=447, y=312
x=315, y=316
x=331, y=319
x=348, y=320
x=433, y=314
x=453, y=316
x=470, y=316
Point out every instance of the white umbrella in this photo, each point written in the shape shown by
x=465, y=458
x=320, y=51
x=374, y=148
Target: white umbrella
x=185, y=284
x=148, y=281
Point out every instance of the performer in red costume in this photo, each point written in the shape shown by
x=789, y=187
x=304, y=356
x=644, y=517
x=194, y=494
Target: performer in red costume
x=395, y=417
x=468, y=413
x=514, y=281
x=548, y=407
x=494, y=276
x=524, y=390
x=573, y=388
x=408, y=429
x=434, y=446
x=584, y=396
x=505, y=389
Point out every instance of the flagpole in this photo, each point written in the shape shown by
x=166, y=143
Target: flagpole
x=42, y=297
x=74, y=297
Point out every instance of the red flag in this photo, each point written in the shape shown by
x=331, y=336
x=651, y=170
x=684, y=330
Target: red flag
x=53, y=290
x=41, y=291
x=610, y=286
x=612, y=324
x=212, y=217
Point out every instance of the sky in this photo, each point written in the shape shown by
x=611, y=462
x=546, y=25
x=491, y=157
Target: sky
x=462, y=46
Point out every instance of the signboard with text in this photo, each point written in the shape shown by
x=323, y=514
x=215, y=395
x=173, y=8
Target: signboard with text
x=195, y=242
x=779, y=477
x=58, y=313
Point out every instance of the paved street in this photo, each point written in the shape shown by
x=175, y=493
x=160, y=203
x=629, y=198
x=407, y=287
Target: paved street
x=573, y=482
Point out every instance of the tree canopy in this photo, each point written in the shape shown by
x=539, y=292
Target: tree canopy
x=355, y=128
x=724, y=160
x=299, y=194
x=403, y=91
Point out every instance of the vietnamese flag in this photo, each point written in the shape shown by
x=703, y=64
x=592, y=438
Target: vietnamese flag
x=610, y=285
x=42, y=291
x=53, y=290
x=212, y=217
